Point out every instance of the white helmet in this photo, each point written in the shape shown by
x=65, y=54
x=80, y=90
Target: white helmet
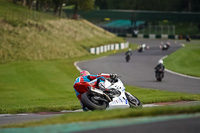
x=129, y=49
x=160, y=62
x=143, y=45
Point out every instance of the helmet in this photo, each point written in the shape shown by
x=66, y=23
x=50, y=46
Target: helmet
x=143, y=45
x=84, y=73
x=160, y=62
x=129, y=49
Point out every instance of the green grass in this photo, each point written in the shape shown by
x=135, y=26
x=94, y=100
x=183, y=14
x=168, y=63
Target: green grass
x=52, y=39
x=186, y=60
x=147, y=95
x=37, y=86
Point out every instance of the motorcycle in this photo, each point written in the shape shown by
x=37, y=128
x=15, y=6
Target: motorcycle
x=159, y=75
x=128, y=57
x=114, y=97
x=140, y=49
x=188, y=39
x=165, y=47
x=143, y=47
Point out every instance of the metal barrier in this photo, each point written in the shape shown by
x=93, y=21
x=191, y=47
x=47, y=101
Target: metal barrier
x=109, y=47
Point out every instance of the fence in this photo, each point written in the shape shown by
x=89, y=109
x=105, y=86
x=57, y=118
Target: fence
x=158, y=29
x=109, y=47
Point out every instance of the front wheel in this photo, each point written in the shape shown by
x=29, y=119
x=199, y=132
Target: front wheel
x=134, y=102
x=92, y=102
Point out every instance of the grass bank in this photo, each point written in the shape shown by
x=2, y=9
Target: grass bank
x=25, y=38
x=185, y=60
x=50, y=39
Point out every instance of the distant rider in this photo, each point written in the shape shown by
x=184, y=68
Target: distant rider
x=160, y=66
x=86, y=80
x=129, y=52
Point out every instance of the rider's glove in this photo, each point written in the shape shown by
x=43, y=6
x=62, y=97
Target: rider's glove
x=113, y=76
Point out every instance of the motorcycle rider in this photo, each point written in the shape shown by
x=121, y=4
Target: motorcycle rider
x=160, y=66
x=128, y=52
x=86, y=80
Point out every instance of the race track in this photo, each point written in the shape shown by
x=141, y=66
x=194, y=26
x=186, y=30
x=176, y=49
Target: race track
x=140, y=70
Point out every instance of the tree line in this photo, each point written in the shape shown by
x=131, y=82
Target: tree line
x=154, y=5
x=56, y=5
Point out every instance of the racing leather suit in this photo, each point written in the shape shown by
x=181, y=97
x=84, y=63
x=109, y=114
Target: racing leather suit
x=160, y=66
x=83, y=82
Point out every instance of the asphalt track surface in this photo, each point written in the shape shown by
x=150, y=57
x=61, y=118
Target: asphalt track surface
x=188, y=125
x=19, y=118
x=139, y=71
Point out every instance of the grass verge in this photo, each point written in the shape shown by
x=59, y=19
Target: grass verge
x=185, y=60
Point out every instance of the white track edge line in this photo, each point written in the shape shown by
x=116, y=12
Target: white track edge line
x=179, y=74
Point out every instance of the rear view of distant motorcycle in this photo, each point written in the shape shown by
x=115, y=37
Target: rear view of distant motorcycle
x=128, y=55
x=165, y=46
x=159, y=75
x=143, y=47
x=159, y=71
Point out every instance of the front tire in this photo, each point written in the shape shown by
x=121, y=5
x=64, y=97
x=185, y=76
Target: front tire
x=88, y=100
x=134, y=102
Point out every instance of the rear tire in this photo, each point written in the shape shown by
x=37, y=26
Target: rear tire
x=127, y=58
x=134, y=102
x=159, y=77
x=88, y=101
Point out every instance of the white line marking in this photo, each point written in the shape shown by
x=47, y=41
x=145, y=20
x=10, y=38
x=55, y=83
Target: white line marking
x=179, y=74
x=3, y=115
x=150, y=105
x=65, y=111
x=77, y=67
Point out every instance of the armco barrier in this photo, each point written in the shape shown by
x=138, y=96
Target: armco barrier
x=109, y=47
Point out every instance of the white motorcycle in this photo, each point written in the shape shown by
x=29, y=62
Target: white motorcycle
x=115, y=97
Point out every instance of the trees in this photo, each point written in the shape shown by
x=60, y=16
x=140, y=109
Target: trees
x=156, y=5
x=81, y=4
x=57, y=5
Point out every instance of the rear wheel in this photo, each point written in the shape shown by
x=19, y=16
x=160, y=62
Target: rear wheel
x=159, y=79
x=127, y=58
x=93, y=102
x=134, y=102
x=159, y=76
